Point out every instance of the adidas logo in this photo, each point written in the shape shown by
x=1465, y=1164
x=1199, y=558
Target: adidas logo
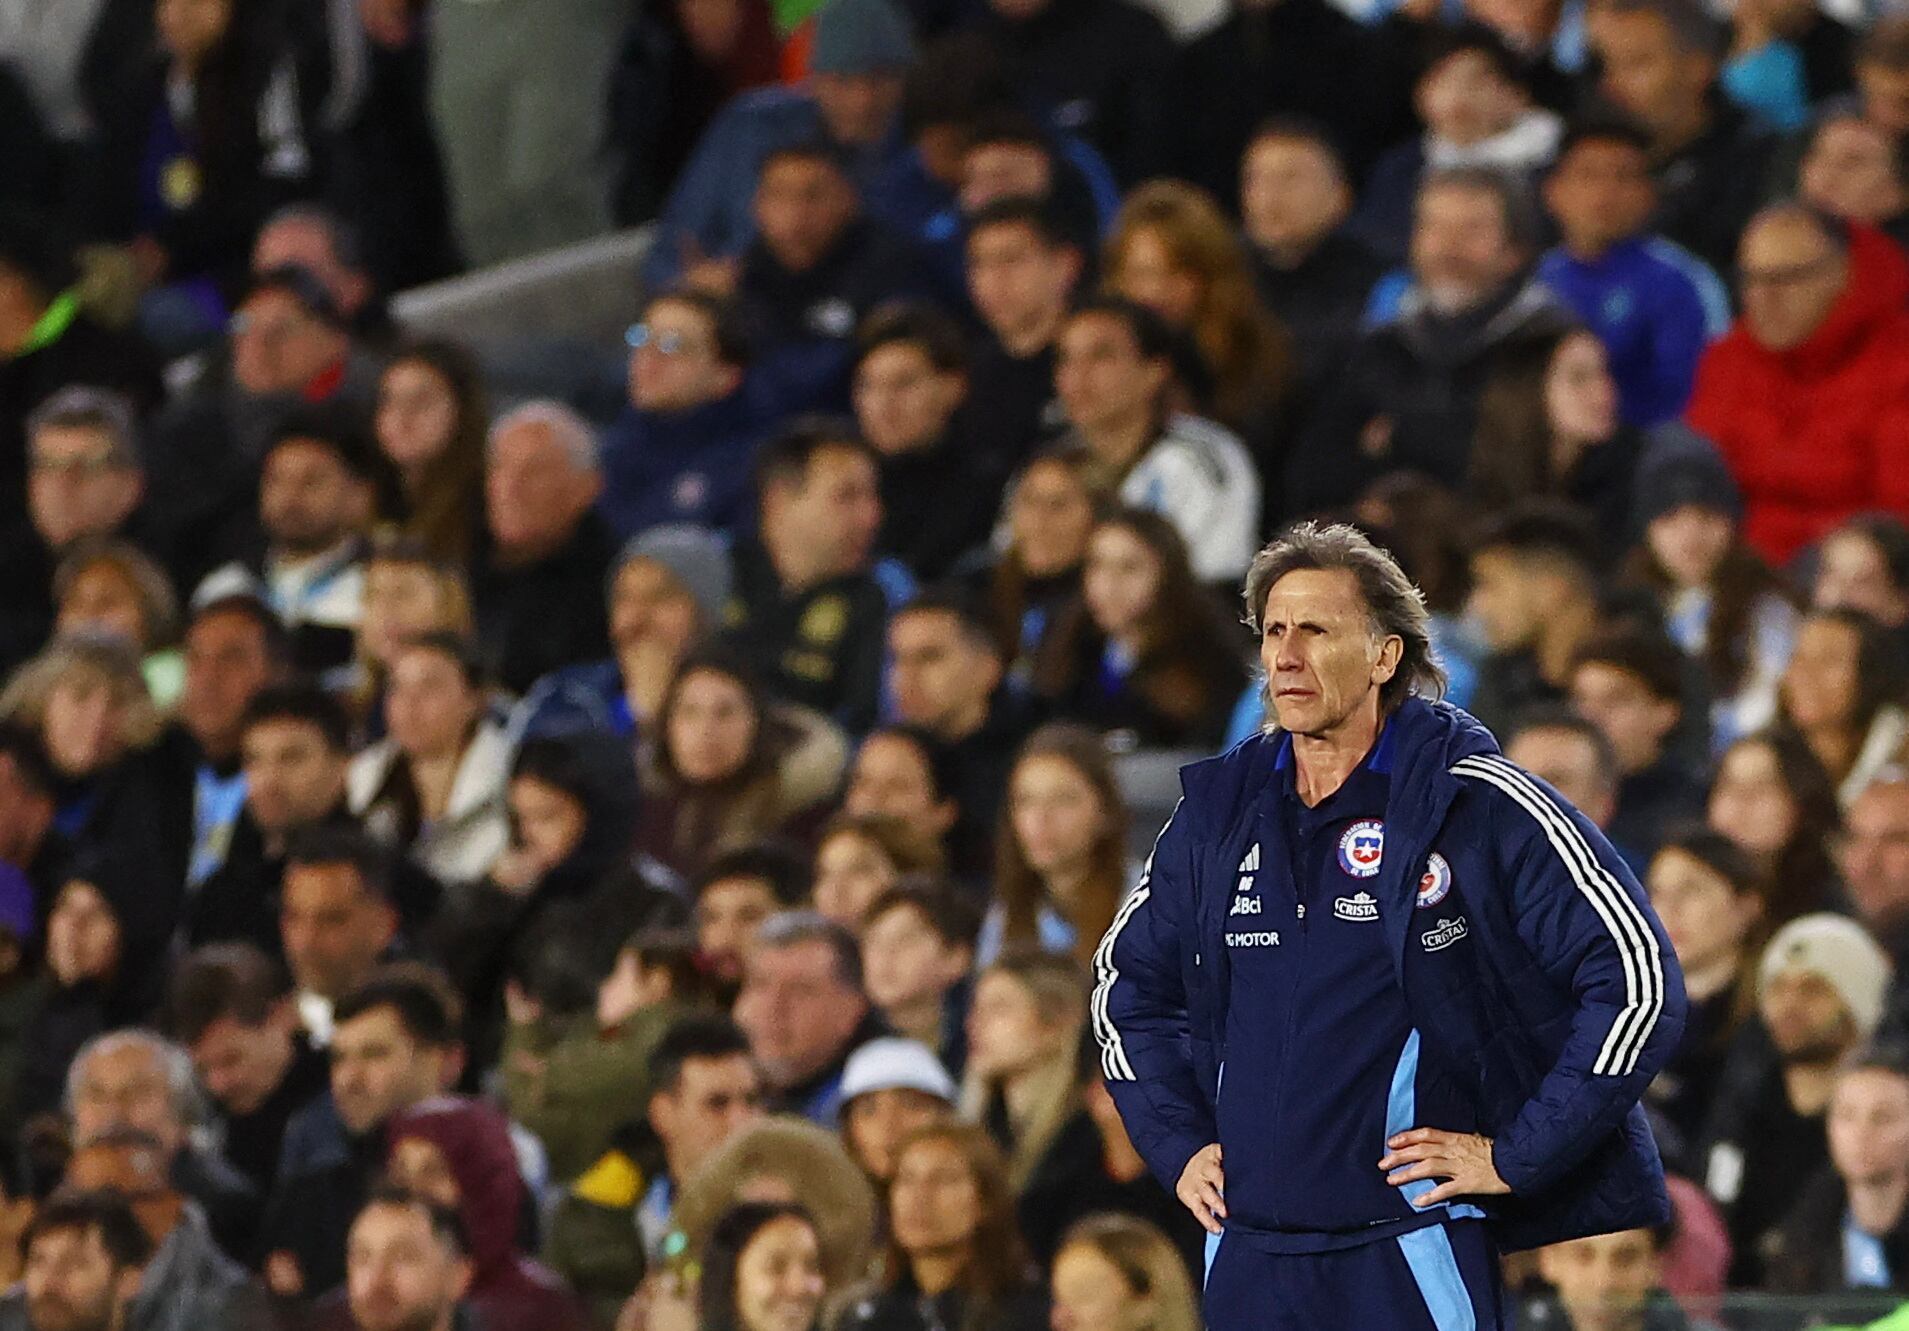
x=1251, y=863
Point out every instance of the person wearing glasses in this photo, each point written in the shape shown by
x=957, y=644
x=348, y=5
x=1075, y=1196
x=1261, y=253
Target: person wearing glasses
x=683, y=448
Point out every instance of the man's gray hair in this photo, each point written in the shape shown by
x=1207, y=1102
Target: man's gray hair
x=569, y=429
x=792, y=928
x=1394, y=605
x=1523, y=225
x=84, y=407
x=182, y=1088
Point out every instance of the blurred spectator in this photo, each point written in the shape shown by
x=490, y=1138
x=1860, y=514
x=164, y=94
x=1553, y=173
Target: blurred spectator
x=1785, y=56
x=1872, y=854
x=1173, y=251
x=1535, y=599
x=1022, y=271
x=1296, y=194
x=1609, y=1282
x=1548, y=428
x=1710, y=897
x=408, y=1266
x=1855, y=169
x=84, y=1256
x=911, y=396
x=1652, y=304
x=1660, y=61
x=1772, y=797
x=409, y=592
x=851, y=99
x=859, y=860
x=1823, y=345
x=817, y=265
x=313, y=237
x=762, y=1269
x=1630, y=683
x=1722, y=604
x=917, y=955
x=1820, y=992
x=396, y=1045
x=956, y=1251
x=337, y=918
x=539, y=589
x=433, y=789
x=1115, y=376
x=230, y=1008
x=890, y=1089
x=1010, y=156
x=29, y=804
x=806, y=604
x=1407, y=397
x=1478, y=111
x=1145, y=650
x=682, y=450
x=1847, y=1228
x=726, y=766
x=1062, y=861
x=1864, y=565
x=1048, y=515
x=457, y=1153
x=1882, y=73
x=1114, y=1270
x=1843, y=693
x=430, y=424
x=733, y=895
x=1573, y=757
x=105, y=585
x=804, y=1010
x=190, y=1284
x=614, y=1221
x=667, y=590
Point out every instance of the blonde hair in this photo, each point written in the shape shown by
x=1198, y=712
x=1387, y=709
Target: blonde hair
x=89, y=656
x=1149, y=1263
x=158, y=606
x=1058, y=988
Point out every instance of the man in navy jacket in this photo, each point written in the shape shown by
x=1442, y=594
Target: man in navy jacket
x=1383, y=1004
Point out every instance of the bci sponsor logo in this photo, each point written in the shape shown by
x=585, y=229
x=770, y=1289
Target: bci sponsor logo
x=1245, y=906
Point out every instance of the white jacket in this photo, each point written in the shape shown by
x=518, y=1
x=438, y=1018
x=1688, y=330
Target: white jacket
x=461, y=846
x=1199, y=477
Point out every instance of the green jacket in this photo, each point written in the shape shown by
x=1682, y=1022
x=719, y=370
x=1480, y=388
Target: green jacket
x=591, y=1081
x=592, y=1240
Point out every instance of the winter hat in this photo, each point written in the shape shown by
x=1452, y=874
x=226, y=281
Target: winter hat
x=861, y=37
x=695, y=556
x=1683, y=468
x=1841, y=952
x=894, y=1064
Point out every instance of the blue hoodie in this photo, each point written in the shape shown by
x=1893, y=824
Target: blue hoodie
x=681, y=466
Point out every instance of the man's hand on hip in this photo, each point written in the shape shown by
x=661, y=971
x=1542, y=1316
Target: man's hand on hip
x=1202, y=1188
x=1462, y=1159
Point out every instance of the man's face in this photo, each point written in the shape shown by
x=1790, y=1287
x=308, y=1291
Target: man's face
x=332, y=926
x=940, y=677
x=1008, y=170
x=278, y=346
x=1807, y=1019
x=1461, y=249
x=1323, y=662
x=126, y=1088
x=1464, y=100
x=1634, y=719
x=1873, y=855
x=378, y=1068
x=1790, y=276
x=1850, y=171
x=796, y=1011
x=241, y=1065
x=802, y=205
x=902, y=400
x=1603, y=1281
x=1016, y=280
x=1100, y=376
x=1292, y=194
x=76, y=487
x=1645, y=73
x=309, y=500
x=677, y=365
x=650, y=608
x=1853, y=573
x=534, y=492
x=1507, y=601
x=297, y=242
x=713, y=1100
x=728, y=913
x=292, y=775
x=137, y=1176
x=1885, y=96
x=1869, y=1126
x=859, y=109
x=1568, y=761
x=835, y=511
x=1600, y=193
x=399, y=1275
x=905, y=960
x=227, y=662
x=72, y=1283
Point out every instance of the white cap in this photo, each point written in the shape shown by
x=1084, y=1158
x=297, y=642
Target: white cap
x=894, y=1064
x=1842, y=952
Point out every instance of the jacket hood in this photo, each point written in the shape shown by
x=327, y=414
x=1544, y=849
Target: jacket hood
x=1877, y=290
x=474, y=1140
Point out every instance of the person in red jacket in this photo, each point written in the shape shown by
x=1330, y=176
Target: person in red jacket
x=1808, y=395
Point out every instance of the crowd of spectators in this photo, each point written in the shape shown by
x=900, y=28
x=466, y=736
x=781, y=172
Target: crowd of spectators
x=480, y=863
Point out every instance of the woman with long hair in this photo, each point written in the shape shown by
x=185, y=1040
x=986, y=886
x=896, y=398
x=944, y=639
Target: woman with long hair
x=1773, y=799
x=1173, y=250
x=762, y=1270
x=1146, y=649
x=859, y=858
x=1061, y=866
x=1843, y=693
x=1119, y=1273
x=955, y=1260
x=1046, y=520
x=725, y=766
x=431, y=421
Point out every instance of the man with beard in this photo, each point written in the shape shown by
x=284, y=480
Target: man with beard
x=84, y=1257
x=407, y=1267
x=1820, y=991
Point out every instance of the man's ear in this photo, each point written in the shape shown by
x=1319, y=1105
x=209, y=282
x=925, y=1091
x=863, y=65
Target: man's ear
x=1391, y=652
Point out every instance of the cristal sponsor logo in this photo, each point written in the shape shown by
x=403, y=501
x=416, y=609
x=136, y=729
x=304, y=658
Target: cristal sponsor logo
x=1245, y=906
x=1269, y=939
x=1358, y=906
x=1444, y=934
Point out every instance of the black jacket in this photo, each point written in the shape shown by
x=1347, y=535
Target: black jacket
x=821, y=648
x=903, y=1307
x=534, y=618
x=251, y=1142
x=938, y=503
x=1707, y=190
